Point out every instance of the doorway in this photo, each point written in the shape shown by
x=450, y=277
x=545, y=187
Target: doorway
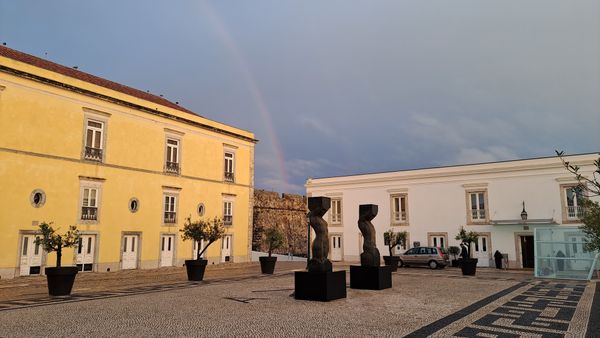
x=130, y=252
x=226, y=249
x=336, y=253
x=482, y=250
x=31, y=256
x=84, y=259
x=167, y=246
x=527, y=256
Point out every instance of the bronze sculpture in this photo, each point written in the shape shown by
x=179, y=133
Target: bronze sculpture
x=370, y=255
x=318, y=206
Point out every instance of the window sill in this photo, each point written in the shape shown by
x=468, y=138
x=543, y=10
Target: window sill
x=88, y=221
x=478, y=222
x=403, y=224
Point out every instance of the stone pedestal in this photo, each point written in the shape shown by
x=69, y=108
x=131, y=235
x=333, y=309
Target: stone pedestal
x=320, y=286
x=370, y=277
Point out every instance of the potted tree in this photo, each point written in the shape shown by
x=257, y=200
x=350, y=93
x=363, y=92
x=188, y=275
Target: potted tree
x=468, y=265
x=454, y=251
x=274, y=239
x=392, y=239
x=210, y=232
x=60, y=278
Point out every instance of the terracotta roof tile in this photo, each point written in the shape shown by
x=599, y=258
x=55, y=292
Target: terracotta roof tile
x=83, y=76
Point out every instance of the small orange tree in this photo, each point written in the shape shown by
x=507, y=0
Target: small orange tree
x=209, y=231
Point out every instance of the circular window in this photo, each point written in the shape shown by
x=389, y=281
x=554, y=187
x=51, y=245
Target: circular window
x=200, y=209
x=37, y=198
x=134, y=204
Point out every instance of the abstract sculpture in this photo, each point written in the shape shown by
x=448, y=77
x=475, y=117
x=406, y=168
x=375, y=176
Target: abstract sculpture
x=370, y=255
x=318, y=206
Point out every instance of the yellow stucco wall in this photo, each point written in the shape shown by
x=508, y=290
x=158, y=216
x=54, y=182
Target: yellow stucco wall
x=41, y=145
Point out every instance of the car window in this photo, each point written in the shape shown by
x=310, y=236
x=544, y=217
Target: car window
x=423, y=251
x=433, y=251
x=410, y=252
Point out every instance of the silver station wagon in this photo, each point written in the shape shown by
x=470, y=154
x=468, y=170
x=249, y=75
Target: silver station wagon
x=434, y=257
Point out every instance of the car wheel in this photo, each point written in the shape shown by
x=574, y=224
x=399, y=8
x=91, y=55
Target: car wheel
x=433, y=265
x=400, y=264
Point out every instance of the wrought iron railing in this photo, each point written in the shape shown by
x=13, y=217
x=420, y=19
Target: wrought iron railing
x=89, y=213
x=574, y=212
x=172, y=168
x=399, y=216
x=93, y=154
x=170, y=217
x=229, y=177
x=478, y=214
x=227, y=220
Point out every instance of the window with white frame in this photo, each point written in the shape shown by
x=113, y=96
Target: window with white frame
x=173, y=155
x=477, y=206
x=336, y=211
x=94, y=134
x=227, y=212
x=89, y=204
x=573, y=202
x=399, y=208
x=229, y=166
x=170, y=207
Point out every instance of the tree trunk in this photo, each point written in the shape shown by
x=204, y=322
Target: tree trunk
x=58, y=254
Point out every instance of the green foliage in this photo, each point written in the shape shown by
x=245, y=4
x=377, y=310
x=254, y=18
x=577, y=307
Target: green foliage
x=274, y=238
x=467, y=238
x=51, y=241
x=392, y=239
x=589, y=185
x=591, y=225
x=209, y=231
x=454, y=251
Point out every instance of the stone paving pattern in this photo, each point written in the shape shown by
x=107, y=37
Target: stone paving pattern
x=239, y=301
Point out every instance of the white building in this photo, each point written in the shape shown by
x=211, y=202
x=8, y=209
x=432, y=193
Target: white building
x=432, y=204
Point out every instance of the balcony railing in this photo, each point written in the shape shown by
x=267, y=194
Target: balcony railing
x=399, y=217
x=172, y=168
x=478, y=214
x=229, y=177
x=170, y=217
x=89, y=213
x=227, y=220
x=574, y=212
x=93, y=154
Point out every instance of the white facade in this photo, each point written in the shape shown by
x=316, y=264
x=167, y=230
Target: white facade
x=486, y=198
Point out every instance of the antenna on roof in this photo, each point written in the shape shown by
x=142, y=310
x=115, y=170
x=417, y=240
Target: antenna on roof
x=161, y=95
x=75, y=67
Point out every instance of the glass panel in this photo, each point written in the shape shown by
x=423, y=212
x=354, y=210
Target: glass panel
x=97, y=139
x=89, y=138
x=484, y=244
x=570, y=197
x=89, y=245
x=124, y=244
x=132, y=244
x=481, y=201
x=93, y=197
x=86, y=197
x=174, y=159
x=162, y=244
x=37, y=248
x=169, y=247
x=169, y=154
x=473, y=202
x=174, y=142
x=25, y=244
x=442, y=242
x=403, y=208
x=477, y=246
x=79, y=245
x=95, y=124
x=434, y=241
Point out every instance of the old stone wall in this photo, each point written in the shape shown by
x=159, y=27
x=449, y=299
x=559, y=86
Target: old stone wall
x=286, y=211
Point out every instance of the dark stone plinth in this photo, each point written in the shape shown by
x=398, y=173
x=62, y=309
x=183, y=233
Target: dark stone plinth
x=321, y=286
x=370, y=277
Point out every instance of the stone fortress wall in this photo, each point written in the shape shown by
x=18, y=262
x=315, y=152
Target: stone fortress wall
x=286, y=211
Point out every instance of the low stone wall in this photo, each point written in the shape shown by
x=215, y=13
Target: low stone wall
x=286, y=211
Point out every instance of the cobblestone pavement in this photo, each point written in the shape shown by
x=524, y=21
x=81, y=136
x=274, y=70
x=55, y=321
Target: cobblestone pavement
x=240, y=302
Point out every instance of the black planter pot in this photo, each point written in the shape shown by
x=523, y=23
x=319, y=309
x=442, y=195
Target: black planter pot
x=468, y=266
x=195, y=269
x=61, y=280
x=455, y=263
x=267, y=264
x=391, y=261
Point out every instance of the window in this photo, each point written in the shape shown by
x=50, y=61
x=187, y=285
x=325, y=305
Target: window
x=134, y=204
x=38, y=198
x=438, y=239
x=477, y=206
x=227, y=212
x=173, y=154
x=200, y=209
x=170, y=214
x=89, y=204
x=229, y=167
x=574, y=203
x=94, y=140
x=399, y=209
x=336, y=211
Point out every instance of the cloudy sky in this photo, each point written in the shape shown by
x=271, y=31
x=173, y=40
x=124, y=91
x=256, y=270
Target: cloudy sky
x=346, y=86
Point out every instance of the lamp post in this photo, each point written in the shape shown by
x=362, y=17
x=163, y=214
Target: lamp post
x=524, y=213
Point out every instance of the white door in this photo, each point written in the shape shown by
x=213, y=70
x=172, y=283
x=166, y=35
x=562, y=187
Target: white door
x=336, y=252
x=167, y=246
x=195, y=250
x=226, y=248
x=438, y=241
x=31, y=256
x=481, y=250
x=130, y=250
x=576, y=250
x=84, y=259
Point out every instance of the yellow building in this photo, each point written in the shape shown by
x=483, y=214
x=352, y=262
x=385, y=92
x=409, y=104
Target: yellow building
x=125, y=166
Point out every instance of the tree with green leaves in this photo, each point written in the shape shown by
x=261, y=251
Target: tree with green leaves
x=590, y=186
x=209, y=231
x=467, y=238
x=274, y=238
x=51, y=241
x=392, y=239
